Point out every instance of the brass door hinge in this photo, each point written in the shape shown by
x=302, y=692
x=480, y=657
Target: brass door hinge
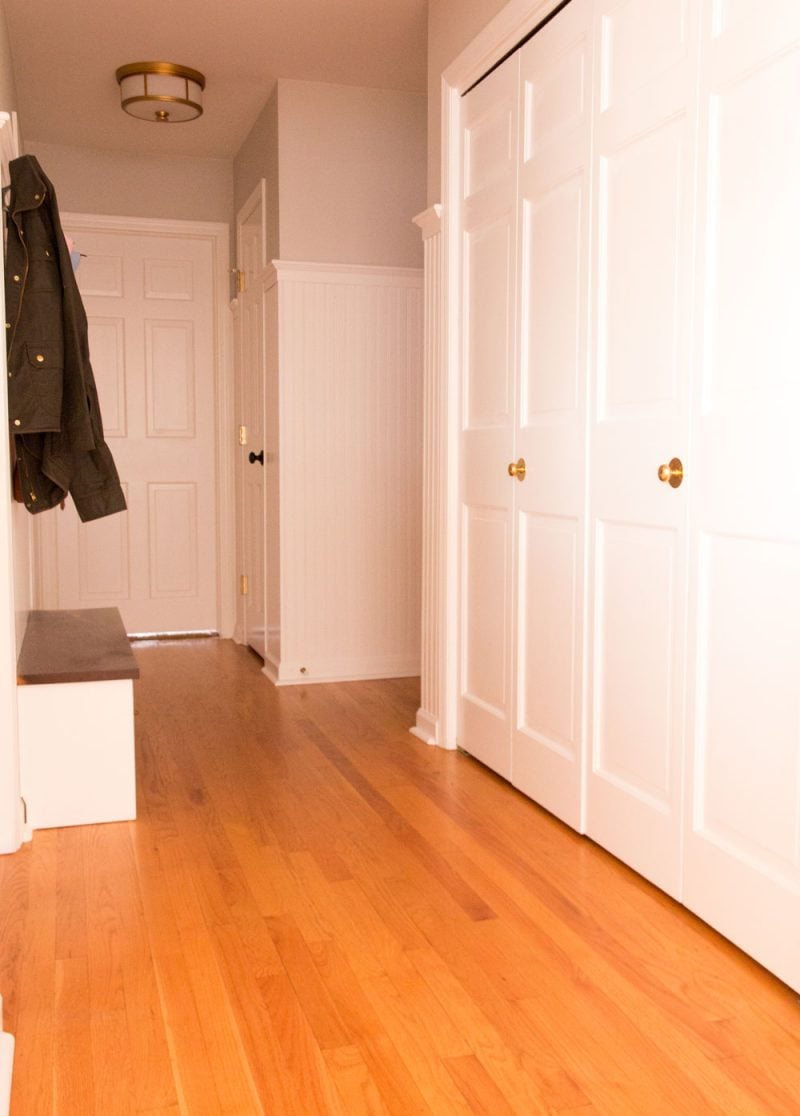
x=238, y=276
x=244, y=585
x=242, y=435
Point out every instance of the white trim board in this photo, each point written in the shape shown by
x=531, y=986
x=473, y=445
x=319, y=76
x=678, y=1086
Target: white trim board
x=11, y=829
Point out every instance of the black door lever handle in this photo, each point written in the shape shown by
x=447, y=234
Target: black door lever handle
x=253, y=457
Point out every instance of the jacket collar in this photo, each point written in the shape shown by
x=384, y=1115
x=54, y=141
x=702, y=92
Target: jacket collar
x=29, y=186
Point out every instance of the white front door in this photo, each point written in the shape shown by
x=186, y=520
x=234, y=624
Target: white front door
x=251, y=261
x=150, y=301
x=742, y=869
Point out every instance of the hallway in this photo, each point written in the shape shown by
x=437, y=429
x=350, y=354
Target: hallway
x=315, y=913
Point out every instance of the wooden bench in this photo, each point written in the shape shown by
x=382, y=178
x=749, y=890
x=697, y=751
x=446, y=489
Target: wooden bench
x=75, y=702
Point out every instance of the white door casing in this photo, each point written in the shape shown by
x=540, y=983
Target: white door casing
x=12, y=621
x=158, y=344
x=250, y=373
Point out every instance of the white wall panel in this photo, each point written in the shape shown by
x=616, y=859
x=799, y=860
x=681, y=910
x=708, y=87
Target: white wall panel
x=350, y=368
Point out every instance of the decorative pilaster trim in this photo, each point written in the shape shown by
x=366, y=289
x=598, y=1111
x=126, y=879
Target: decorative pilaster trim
x=427, y=727
x=429, y=221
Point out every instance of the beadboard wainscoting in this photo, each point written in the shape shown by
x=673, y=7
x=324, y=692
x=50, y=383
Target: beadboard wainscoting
x=343, y=471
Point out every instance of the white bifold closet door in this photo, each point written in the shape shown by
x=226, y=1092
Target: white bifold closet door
x=642, y=283
x=488, y=407
x=525, y=250
x=742, y=834
x=631, y=296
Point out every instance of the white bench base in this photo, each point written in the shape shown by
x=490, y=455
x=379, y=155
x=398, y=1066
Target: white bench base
x=76, y=743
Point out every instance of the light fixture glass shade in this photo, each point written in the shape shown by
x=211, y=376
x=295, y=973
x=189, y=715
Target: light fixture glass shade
x=161, y=91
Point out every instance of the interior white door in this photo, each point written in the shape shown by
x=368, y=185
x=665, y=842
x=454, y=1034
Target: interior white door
x=643, y=309
x=251, y=257
x=549, y=504
x=488, y=390
x=149, y=299
x=742, y=870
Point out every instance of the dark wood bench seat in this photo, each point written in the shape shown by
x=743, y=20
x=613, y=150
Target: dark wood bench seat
x=86, y=645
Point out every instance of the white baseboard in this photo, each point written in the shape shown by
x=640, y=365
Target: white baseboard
x=6, y=1066
x=427, y=728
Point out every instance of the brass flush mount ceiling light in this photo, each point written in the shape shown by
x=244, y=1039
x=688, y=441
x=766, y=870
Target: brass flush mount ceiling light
x=161, y=91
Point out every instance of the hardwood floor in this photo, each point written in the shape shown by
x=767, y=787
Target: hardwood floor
x=315, y=913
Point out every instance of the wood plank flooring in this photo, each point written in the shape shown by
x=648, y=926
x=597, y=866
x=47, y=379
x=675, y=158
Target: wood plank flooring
x=317, y=914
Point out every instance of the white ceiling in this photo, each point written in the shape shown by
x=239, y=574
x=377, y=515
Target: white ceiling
x=65, y=55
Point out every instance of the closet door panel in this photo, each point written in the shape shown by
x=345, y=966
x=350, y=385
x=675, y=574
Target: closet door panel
x=641, y=303
x=486, y=608
x=637, y=576
x=642, y=287
x=742, y=871
x=489, y=255
x=488, y=399
x=549, y=670
x=748, y=702
x=642, y=40
x=547, y=738
x=552, y=357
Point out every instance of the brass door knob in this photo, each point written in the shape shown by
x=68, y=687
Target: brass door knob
x=518, y=469
x=671, y=474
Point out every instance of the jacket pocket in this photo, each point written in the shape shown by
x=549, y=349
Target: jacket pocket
x=43, y=270
x=45, y=356
x=39, y=391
